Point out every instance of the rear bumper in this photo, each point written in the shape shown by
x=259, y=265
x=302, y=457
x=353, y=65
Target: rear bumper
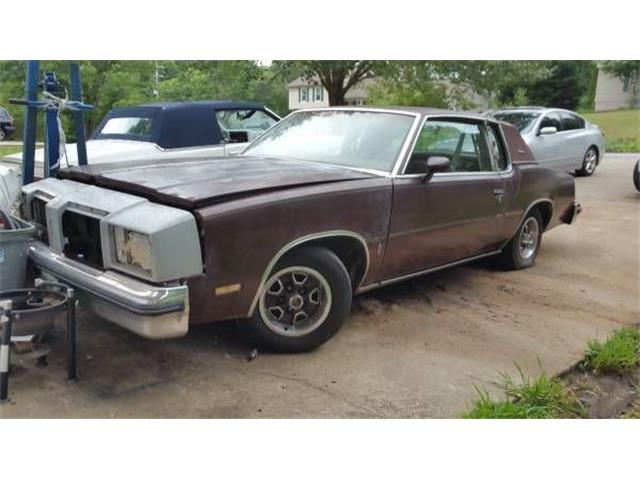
x=8, y=130
x=150, y=311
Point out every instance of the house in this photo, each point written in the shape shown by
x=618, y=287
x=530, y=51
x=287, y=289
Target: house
x=305, y=93
x=613, y=93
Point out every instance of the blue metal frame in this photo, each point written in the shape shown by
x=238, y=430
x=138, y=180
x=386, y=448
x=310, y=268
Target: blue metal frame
x=52, y=109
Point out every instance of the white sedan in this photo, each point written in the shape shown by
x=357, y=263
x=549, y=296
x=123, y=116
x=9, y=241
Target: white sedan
x=558, y=138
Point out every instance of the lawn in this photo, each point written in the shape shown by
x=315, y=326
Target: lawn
x=9, y=149
x=618, y=123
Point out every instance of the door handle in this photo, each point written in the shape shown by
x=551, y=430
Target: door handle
x=499, y=193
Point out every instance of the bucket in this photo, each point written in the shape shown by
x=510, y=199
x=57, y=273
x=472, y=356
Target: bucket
x=14, y=252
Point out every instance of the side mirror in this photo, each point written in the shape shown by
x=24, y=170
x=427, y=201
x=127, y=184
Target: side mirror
x=427, y=165
x=437, y=164
x=548, y=130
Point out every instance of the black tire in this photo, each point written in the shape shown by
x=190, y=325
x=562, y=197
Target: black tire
x=511, y=257
x=271, y=334
x=636, y=175
x=589, y=162
x=3, y=135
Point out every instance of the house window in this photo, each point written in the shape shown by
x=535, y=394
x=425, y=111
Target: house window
x=303, y=94
x=318, y=94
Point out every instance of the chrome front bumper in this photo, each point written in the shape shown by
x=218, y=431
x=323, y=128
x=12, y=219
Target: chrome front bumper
x=151, y=311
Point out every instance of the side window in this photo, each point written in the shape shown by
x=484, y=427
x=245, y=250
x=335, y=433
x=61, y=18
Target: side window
x=464, y=144
x=551, y=120
x=497, y=148
x=239, y=126
x=571, y=122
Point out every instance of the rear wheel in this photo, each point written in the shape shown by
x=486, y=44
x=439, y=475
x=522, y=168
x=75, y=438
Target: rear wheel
x=304, y=302
x=2, y=134
x=589, y=163
x=522, y=249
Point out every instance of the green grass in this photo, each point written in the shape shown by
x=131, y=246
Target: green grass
x=9, y=149
x=623, y=145
x=537, y=397
x=618, y=123
x=620, y=353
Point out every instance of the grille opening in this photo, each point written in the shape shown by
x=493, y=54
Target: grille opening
x=82, y=238
x=39, y=217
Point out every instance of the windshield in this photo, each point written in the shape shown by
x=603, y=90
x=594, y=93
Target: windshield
x=370, y=140
x=523, y=121
x=139, y=126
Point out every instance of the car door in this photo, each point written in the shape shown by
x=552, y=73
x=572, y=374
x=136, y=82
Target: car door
x=549, y=149
x=575, y=139
x=448, y=216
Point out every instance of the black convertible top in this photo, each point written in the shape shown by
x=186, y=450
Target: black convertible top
x=177, y=124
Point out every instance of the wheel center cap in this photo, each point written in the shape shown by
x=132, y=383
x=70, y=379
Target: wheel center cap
x=296, y=302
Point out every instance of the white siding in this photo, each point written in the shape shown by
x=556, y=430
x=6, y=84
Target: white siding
x=295, y=104
x=610, y=94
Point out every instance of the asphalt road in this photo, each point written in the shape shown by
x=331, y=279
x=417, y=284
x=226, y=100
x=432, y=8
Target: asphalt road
x=412, y=350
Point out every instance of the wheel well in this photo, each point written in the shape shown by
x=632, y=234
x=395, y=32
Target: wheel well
x=595, y=147
x=351, y=252
x=546, y=211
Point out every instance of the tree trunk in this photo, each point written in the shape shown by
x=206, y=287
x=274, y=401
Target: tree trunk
x=336, y=91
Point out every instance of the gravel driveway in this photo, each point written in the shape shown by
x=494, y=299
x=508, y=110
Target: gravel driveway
x=412, y=350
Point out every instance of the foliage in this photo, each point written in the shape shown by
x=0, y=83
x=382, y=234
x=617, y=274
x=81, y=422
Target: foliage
x=618, y=354
x=109, y=84
x=417, y=83
x=565, y=84
x=621, y=68
x=519, y=98
x=539, y=397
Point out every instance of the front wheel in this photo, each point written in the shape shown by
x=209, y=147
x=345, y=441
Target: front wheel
x=636, y=175
x=303, y=303
x=522, y=249
x=2, y=135
x=589, y=163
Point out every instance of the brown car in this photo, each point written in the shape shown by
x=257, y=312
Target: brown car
x=325, y=204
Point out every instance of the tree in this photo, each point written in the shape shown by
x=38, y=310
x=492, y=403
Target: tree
x=566, y=85
x=489, y=78
x=415, y=83
x=336, y=76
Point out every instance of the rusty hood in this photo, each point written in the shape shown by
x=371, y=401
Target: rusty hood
x=197, y=183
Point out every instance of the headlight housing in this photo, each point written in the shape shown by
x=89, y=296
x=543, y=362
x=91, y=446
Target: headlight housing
x=133, y=249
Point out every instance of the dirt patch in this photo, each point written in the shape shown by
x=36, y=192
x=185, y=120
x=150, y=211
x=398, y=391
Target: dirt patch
x=606, y=396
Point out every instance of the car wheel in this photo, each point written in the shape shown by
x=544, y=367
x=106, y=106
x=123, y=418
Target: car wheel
x=589, y=163
x=304, y=302
x=522, y=249
x=2, y=135
x=636, y=175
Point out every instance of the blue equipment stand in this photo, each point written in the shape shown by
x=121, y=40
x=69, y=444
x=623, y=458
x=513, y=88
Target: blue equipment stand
x=52, y=105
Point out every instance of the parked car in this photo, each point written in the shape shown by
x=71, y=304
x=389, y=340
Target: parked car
x=7, y=128
x=162, y=131
x=326, y=204
x=558, y=138
x=636, y=175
